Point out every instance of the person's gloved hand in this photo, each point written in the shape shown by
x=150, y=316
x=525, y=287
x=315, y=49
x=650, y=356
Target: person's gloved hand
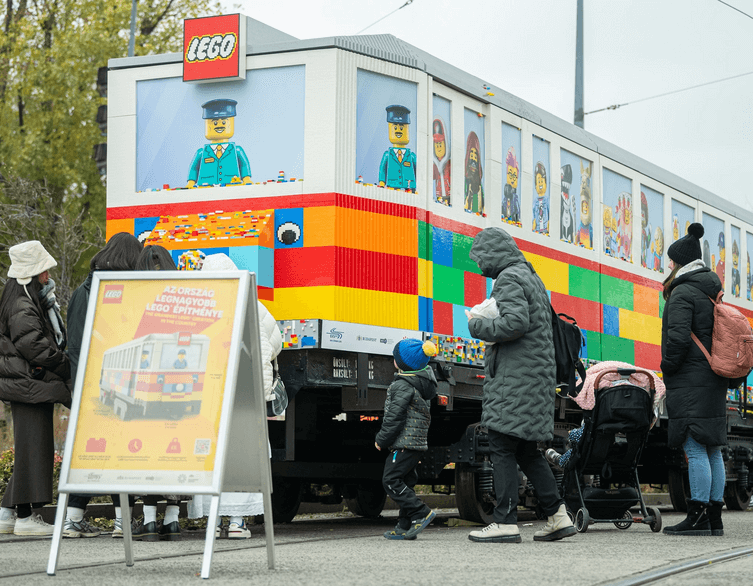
x=47, y=295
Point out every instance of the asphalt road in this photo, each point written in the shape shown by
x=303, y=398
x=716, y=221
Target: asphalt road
x=331, y=550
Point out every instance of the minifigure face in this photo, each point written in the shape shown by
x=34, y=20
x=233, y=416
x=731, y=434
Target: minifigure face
x=512, y=176
x=607, y=218
x=399, y=134
x=473, y=158
x=659, y=242
x=584, y=208
x=440, y=148
x=540, y=185
x=219, y=129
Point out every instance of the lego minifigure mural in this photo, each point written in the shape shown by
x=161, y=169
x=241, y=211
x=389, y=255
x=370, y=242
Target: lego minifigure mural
x=618, y=216
x=735, y=260
x=652, y=231
x=227, y=133
x=748, y=275
x=682, y=217
x=441, y=141
x=473, y=165
x=713, y=241
x=511, y=166
x=541, y=180
x=575, y=200
x=385, y=139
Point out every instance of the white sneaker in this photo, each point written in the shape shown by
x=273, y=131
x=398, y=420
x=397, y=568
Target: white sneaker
x=7, y=525
x=235, y=531
x=497, y=533
x=557, y=526
x=32, y=525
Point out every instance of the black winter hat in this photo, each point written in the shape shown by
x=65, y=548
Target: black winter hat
x=688, y=248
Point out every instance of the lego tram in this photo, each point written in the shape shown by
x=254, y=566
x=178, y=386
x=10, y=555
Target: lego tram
x=367, y=168
x=157, y=375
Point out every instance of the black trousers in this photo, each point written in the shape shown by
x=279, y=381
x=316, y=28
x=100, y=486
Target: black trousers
x=399, y=478
x=79, y=501
x=507, y=453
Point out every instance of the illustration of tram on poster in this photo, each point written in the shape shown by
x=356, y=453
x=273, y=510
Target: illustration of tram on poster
x=157, y=375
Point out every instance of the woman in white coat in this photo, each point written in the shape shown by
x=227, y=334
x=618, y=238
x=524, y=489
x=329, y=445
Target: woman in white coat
x=238, y=505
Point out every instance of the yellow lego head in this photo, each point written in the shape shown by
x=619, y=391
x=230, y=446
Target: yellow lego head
x=219, y=129
x=512, y=176
x=399, y=133
x=440, y=148
x=540, y=185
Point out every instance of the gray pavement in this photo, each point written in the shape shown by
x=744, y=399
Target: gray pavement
x=329, y=550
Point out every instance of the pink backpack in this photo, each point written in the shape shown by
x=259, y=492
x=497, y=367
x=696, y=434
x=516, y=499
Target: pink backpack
x=731, y=341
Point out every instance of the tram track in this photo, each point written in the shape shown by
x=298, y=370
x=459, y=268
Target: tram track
x=655, y=575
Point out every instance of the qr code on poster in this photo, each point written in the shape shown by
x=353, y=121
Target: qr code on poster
x=201, y=447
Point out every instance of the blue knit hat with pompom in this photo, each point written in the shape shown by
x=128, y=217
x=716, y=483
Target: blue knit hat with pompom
x=411, y=354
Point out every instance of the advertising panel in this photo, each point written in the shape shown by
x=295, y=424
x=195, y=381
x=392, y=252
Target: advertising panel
x=735, y=260
x=714, y=250
x=154, y=385
x=541, y=179
x=575, y=210
x=511, y=165
x=618, y=216
x=441, y=130
x=652, y=233
x=473, y=164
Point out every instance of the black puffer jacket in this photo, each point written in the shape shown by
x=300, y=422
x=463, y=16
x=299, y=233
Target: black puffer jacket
x=407, y=411
x=27, y=341
x=696, y=396
x=77, y=307
x=520, y=371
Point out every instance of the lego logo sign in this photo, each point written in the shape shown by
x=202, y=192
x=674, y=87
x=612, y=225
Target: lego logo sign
x=113, y=294
x=184, y=339
x=214, y=48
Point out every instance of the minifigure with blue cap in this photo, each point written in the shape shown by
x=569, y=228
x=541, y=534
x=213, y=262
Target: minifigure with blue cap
x=221, y=162
x=398, y=166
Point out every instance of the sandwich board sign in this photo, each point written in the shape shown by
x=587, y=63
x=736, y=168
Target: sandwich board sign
x=168, y=397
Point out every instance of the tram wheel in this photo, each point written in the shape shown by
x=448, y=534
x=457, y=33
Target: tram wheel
x=286, y=498
x=735, y=497
x=121, y=409
x=369, y=500
x=679, y=488
x=468, y=498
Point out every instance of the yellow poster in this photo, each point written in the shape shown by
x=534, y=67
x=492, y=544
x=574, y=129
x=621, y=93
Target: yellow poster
x=154, y=382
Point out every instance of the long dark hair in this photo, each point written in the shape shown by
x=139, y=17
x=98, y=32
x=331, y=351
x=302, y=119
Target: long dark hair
x=119, y=254
x=13, y=291
x=667, y=283
x=155, y=258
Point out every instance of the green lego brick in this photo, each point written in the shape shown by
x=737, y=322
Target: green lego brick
x=593, y=345
x=584, y=283
x=661, y=304
x=461, y=247
x=424, y=240
x=449, y=284
x=614, y=348
x=616, y=292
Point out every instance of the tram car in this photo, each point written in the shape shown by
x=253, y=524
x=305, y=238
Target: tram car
x=155, y=376
x=351, y=174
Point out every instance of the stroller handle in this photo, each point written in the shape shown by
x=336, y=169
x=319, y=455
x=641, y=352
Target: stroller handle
x=626, y=373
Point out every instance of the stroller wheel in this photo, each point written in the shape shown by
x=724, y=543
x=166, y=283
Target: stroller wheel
x=582, y=520
x=656, y=523
x=571, y=516
x=628, y=516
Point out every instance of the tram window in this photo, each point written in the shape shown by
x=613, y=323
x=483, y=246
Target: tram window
x=511, y=178
x=542, y=179
x=147, y=353
x=617, y=221
x=651, y=228
x=737, y=289
x=181, y=357
x=576, y=207
x=714, y=249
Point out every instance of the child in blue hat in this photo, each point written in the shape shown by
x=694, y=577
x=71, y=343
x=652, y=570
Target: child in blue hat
x=405, y=427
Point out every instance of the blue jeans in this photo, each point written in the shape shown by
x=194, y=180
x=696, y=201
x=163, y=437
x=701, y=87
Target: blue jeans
x=705, y=470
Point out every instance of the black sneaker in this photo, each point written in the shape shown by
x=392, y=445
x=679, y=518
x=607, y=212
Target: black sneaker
x=418, y=525
x=170, y=532
x=398, y=533
x=146, y=532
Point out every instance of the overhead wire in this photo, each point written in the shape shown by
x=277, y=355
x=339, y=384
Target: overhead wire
x=733, y=8
x=385, y=16
x=615, y=106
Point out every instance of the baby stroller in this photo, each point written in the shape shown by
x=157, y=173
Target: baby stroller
x=614, y=434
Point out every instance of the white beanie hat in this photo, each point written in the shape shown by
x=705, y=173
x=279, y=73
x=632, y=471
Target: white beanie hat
x=218, y=262
x=28, y=260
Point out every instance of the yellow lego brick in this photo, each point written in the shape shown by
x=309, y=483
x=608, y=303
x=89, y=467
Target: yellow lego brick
x=554, y=273
x=425, y=278
x=639, y=326
x=319, y=226
x=303, y=303
x=378, y=308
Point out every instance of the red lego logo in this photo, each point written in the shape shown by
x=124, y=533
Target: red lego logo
x=113, y=294
x=214, y=48
x=184, y=339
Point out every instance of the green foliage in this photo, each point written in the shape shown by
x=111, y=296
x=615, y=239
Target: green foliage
x=49, y=56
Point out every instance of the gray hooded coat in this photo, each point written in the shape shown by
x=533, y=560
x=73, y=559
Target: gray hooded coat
x=519, y=388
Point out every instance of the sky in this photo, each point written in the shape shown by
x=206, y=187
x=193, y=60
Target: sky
x=633, y=49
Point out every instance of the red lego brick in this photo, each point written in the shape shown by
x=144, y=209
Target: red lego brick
x=443, y=318
x=377, y=271
x=648, y=356
x=586, y=313
x=304, y=267
x=475, y=289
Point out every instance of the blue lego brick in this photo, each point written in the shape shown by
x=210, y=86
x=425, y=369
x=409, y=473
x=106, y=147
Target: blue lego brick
x=460, y=322
x=425, y=314
x=292, y=219
x=142, y=226
x=489, y=285
x=257, y=259
x=441, y=247
x=611, y=320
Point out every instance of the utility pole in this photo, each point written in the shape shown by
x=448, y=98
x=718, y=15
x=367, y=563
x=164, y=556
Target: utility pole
x=131, y=40
x=579, y=66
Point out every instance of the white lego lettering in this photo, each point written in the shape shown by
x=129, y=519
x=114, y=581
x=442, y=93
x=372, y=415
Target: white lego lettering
x=113, y=293
x=211, y=47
